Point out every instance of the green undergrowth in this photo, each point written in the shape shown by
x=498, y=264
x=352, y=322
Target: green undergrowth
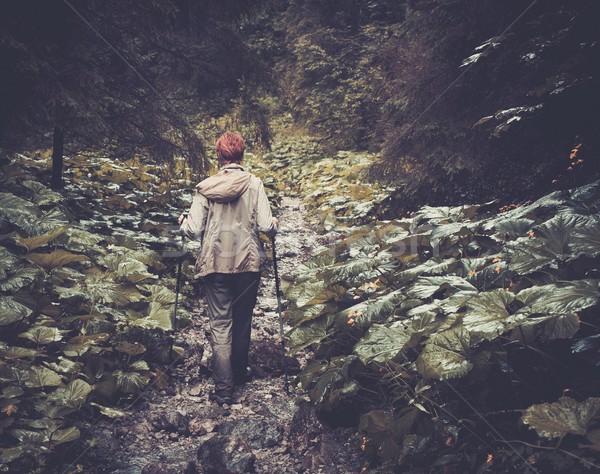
x=334, y=186
x=87, y=280
x=455, y=330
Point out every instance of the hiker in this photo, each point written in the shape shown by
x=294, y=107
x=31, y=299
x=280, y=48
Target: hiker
x=228, y=211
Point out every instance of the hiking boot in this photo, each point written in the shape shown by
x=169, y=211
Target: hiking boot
x=220, y=399
x=243, y=378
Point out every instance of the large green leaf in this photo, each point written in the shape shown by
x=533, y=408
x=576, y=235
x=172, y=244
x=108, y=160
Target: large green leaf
x=22, y=278
x=159, y=294
x=426, y=287
x=79, y=345
x=100, y=289
x=15, y=352
x=159, y=316
x=357, y=270
x=10, y=454
x=445, y=355
x=383, y=342
x=555, y=420
x=556, y=241
x=27, y=217
x=509, y=228
x=431, y=267
x=79, y=240
x=313, y=332
x=73, y=395
x=130, y=382
x=42, y=334
x=373, y=310
x=560, y=298
x=40, y=194
x=7, y=261
x=488, y=315
x=126, y=267
x=65, y=435
x=556, y=326
x=12, y=311
x=42, y=377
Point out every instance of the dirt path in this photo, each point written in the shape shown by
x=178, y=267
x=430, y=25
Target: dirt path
x=264, y=431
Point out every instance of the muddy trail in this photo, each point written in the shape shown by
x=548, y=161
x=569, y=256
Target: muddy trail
x=176, y=429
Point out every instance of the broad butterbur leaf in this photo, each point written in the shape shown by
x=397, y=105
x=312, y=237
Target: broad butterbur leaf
x=445, y=355
x=73, y=395
x=159, y=316
x=555, y=420
x=130, y=382
x=160, y=294
x=42, y=377
x=426, y=287
x=65, y=435
x=557, y=326
x=560, y=298
x=16, y=352
x=12, y=311
x=22, y=278
x=10, y=454
x=488, y=315
x=126, y=267
x=55, y=259
x=373, y=310
x=79, y=345
x=42, y=334
x=40, y=194
x=32, y=243
x=384, y=342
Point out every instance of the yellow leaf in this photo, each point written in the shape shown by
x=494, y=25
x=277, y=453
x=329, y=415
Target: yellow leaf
x=33, y=243
x=55, y=259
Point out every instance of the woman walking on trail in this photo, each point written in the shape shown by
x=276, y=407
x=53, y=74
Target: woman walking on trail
x=228, y=211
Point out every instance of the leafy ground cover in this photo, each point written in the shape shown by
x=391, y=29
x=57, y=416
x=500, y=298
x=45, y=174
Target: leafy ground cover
x=86, y=301
x=458, y=338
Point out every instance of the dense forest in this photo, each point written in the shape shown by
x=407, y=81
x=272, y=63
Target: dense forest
x=434, y=167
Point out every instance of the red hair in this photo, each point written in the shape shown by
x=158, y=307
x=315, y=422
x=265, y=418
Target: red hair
x=230, y=147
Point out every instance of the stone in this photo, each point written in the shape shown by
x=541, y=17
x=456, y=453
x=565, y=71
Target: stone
x=258, y=434
x=225, y=455
x=171, y=466
x=171, y=421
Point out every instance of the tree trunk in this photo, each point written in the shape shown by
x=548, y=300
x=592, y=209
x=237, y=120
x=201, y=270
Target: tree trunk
x=57, y=158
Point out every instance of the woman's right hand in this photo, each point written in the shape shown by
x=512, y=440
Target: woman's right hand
x=182, y=217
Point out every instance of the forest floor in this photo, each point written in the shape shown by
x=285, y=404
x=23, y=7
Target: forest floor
x=171, y=427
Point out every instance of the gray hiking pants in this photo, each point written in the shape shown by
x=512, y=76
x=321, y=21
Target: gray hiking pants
x=231, y=298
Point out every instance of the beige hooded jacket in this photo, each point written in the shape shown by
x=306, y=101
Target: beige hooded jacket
x=228, y=211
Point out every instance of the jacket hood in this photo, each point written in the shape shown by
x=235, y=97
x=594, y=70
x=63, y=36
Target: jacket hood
x=225, y=186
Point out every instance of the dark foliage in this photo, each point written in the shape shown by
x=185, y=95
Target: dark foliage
x=124, y=77
x=465, y=99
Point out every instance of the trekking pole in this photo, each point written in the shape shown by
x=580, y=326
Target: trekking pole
x=174, y=318
x=284, y=360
